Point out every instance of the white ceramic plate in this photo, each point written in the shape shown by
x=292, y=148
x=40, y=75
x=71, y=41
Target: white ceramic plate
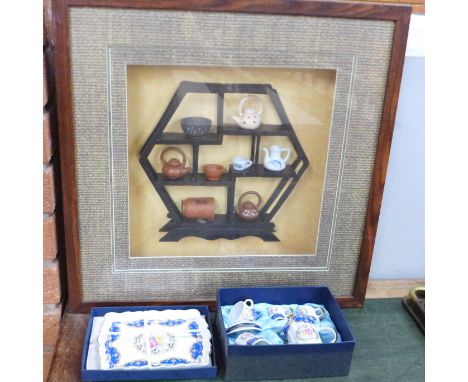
x=154, y=339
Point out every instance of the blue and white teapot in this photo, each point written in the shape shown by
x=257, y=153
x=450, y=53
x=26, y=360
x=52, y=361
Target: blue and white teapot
x=273, y=160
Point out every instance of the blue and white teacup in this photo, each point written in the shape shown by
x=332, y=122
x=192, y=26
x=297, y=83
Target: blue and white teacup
x=241, y=312
x=276, y=312
x=308, y=310
x=241, y=163
x=250, y=339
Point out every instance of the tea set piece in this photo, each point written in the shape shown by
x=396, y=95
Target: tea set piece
x=213, y=172
x=249, y=117
x=164, y=339
x=293, y=324
x=241, y=163
x=304, y=327
x=276, y=312
x=273, y=159
x=195, y=126
x=308, y=310
x=241, y=328
x=174, y=168
x=247, y=210
x=250, y=339
x=199, y=208
x=241, y=318
x=241, y=312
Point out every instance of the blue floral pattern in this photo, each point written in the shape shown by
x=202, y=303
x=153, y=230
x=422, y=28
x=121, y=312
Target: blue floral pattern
x=256, y=314
x=115, y=327
x=197, y=350
x=193, y=326
x=174, y=361
x=172, y=322
x=113, y=355
x=136, y=324
x=137, y=363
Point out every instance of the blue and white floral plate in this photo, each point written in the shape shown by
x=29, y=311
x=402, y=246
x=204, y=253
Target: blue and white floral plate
x=154, y=339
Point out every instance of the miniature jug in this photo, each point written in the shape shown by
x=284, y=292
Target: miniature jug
x=248, y=210
x=249, y=118
x=273, y=160
x=173, y=168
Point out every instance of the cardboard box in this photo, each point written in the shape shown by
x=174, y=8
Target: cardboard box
x=285, y=361
x=145, y=374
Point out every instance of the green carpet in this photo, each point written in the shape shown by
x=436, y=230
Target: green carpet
x=389, y=345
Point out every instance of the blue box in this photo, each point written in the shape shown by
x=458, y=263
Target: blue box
x=147, y=374
x=285, y=361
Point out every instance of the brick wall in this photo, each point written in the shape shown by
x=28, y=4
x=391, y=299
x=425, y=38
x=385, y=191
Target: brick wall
x=54, y=263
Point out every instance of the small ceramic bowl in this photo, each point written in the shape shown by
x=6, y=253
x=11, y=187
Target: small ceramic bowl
x=196, y=126
x=213, y=171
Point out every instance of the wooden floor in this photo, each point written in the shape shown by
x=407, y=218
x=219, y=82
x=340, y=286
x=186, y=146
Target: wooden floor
x=389, y=346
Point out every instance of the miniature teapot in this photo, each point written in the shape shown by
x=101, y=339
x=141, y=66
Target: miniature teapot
x=249, y=118
x=174, y=169
x=273, y=160
x=248, y=210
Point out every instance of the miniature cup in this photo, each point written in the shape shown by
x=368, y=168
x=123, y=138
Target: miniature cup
x=276, y=312
x=307, y=310
x=250, y=339
x=307, y=333
x=241, y=312
x=240, y=163
x=213, y=171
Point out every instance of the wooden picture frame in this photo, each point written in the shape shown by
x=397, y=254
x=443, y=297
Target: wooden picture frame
x=398, y=15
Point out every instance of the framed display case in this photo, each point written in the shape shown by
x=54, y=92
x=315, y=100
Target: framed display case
x=209, y=144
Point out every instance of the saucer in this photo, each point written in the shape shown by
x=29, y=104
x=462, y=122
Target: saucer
x=237, y=323
x=244, y=328
x=243, y=323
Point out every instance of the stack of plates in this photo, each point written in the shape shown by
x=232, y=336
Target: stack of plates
x=154, y=339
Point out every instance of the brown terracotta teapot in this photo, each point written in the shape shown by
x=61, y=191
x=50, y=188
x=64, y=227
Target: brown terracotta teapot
x=173, y=168
x=248, y=210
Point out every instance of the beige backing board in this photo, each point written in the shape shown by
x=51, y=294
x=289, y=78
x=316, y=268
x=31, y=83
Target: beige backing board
x=307, y=96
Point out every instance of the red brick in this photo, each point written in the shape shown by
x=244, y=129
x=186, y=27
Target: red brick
x=48, y=202
x=51, y=324
x=46, y=138
x=47, y=361
x=48, y=23
x=45, y=83
x=51, y=279
x=49, y=240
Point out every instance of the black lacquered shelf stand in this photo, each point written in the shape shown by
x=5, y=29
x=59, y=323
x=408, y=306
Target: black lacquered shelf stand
x=227, y=226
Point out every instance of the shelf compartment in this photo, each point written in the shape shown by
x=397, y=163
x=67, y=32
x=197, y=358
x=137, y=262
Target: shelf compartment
x=182, y=139
x=258, y=170
x=195, y=180
x=218, y=228
x=266, y=130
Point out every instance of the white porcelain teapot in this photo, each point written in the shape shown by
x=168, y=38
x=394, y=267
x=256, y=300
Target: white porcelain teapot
x=249, y=118
x=273, y=160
